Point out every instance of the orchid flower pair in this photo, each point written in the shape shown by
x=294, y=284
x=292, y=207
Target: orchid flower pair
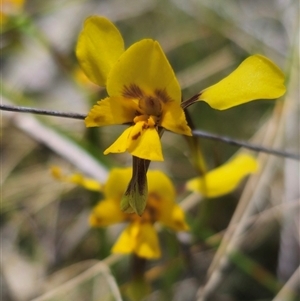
x=143, y=92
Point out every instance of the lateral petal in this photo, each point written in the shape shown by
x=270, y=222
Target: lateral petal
x=76, y=178
x=224, y=179
x=106, y=213
x=173, y=217
x=173, y=119
x=255, y=78
x=109, y=111
x=87, y=183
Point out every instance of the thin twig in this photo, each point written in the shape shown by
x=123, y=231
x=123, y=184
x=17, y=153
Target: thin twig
x=10, y=108
x=199, y=133
x=257, y=148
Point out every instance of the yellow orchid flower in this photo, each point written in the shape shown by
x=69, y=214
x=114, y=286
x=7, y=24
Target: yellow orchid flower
x=142, y=87
x=256, y=77
x=140, y=236
x=225, y=178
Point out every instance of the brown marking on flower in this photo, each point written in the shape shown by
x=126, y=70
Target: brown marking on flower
x=150, y=105
x=99, y=118
x=179, y=225
x=136, y=136
x=152, y=214
x=190, y=101
x=95, y=220
x=132, y=91
x=162, y=95
x=181, y=127
x=153, y=205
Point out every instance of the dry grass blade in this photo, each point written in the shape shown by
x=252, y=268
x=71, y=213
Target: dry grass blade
x=16, y=154
x=289, y=258
x=60, y=145
x=93, y=271
x=248, y=203
x=291, y=290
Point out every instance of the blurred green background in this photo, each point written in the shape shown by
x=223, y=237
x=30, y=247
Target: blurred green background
x=47, y=245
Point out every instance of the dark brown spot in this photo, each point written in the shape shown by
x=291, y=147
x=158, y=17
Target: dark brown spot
x=179, y=224
x=153, y=213
x=181, y=127
x=98, y=220
x=98, y=119
x=133, y=91
x=134, y=137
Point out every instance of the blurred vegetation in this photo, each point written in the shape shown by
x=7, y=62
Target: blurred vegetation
x=48, y=250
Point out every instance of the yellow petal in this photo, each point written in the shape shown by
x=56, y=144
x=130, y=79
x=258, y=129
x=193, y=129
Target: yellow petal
x=140, y=239
x=147, y=242
x=76, y=178
x=120, y=145
x=173, y=119
x=144, y=65
x=111, y=110
x=87, y=183
x=255, y=78
x=161, y=197
x=127, y=241
x=136, y=132
x=56, y=172
x=99, y=46
x=106, y=213
x=224, y=179
x=146, y=146
x=117, y=183
x=173, y=217
x=159, y=184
